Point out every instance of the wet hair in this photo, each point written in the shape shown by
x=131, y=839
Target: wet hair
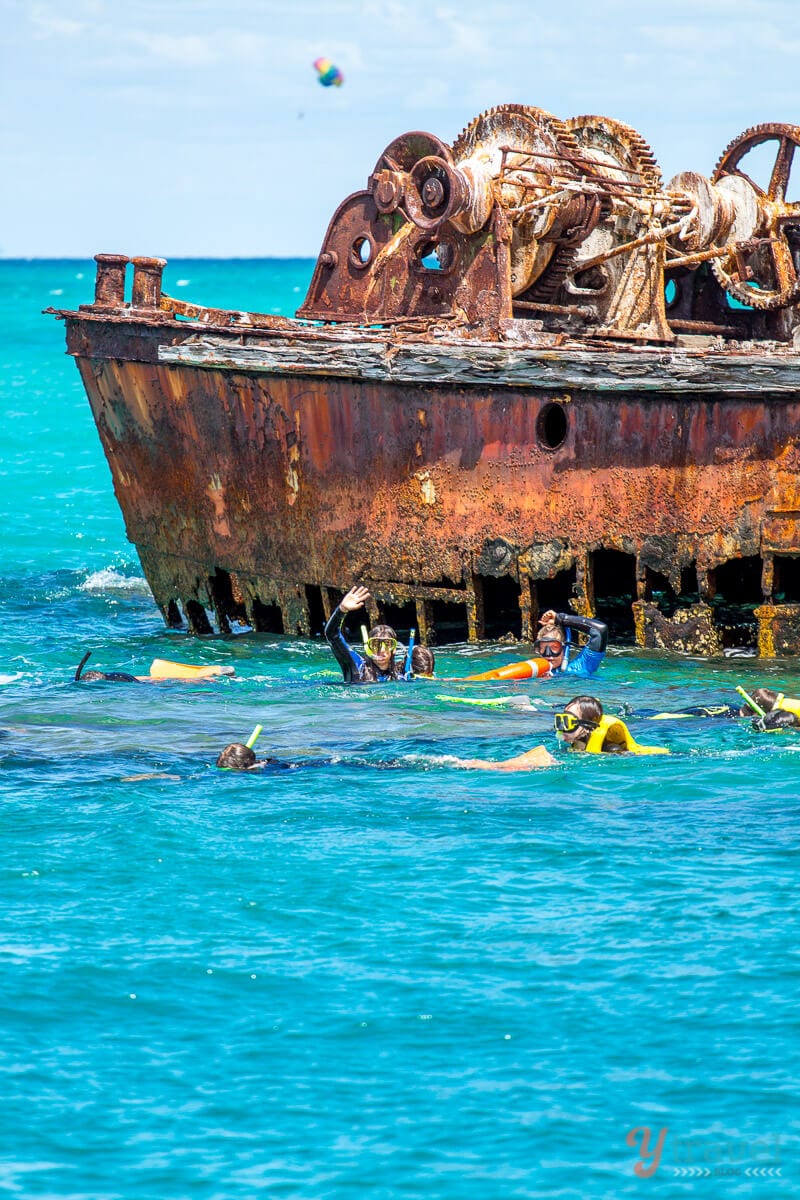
x=423, y=661
x=779, y=718
x=586, y=708
x=236, y=757
x=765, y=697
x=551, y=633
x=109, y=676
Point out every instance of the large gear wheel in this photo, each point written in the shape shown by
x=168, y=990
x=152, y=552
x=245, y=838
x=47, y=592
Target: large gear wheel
x=765, y=272
x=540, y=138
x=535, y=151
x=618, y=157
x=617, y=150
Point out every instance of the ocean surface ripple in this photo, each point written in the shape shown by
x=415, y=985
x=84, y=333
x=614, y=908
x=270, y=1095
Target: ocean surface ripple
x=379, y=974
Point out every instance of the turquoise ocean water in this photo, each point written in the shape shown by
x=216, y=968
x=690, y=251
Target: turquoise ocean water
x=382, y=977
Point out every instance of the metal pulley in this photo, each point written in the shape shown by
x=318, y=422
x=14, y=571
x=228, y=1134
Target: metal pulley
x=710, y=216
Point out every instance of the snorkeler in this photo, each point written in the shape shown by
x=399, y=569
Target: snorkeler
x=583, y=726
x=379, y=666
x=552, y=643
x=160, y=670
x=109, y=676
x=773, y=709
x=238, y=757
x=423, y=663
x=552, y=647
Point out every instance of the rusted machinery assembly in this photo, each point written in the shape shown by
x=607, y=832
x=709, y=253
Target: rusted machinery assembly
x=527, y=373
x=526, y=215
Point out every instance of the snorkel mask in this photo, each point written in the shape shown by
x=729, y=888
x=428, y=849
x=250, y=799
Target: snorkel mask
x=380, y=645
x=549, y=647
x=567, y=722
x=380, y=640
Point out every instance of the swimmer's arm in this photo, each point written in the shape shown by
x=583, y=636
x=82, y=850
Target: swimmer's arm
x=538, y=757
x=597, y=631
x=347, y=658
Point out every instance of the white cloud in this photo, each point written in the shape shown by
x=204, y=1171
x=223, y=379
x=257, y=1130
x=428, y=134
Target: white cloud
x=47, y=23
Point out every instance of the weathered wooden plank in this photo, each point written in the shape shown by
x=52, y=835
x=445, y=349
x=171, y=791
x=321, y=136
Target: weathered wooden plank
x=646, y=370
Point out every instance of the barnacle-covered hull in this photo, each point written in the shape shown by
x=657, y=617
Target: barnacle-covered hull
x=257, y=480
x=561, y=408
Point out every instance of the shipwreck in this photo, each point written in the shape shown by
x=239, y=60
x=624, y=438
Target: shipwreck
x=528, y=373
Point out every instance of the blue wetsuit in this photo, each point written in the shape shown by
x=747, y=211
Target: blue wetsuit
x=589, y=658
x=355, y=668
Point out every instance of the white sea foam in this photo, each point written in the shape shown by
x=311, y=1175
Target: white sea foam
x=109, y=580
x=10, y=678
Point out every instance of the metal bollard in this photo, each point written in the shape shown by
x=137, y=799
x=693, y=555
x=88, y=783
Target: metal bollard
x=109, y=287
x=147, y=282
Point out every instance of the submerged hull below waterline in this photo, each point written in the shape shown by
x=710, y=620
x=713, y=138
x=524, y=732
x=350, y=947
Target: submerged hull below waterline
x=469, y=484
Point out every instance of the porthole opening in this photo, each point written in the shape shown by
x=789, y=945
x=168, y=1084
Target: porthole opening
x=361, y=252
x=552, y=426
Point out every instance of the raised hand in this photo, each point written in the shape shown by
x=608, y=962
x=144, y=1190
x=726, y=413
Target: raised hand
x=355, y=598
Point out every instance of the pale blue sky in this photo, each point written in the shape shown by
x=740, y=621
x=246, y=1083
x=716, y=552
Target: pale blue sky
x=197, y=127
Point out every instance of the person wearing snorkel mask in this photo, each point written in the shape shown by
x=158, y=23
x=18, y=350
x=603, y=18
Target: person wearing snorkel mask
x=378, y=666
x=552, y=643
x=774, y=710
x=584, y=726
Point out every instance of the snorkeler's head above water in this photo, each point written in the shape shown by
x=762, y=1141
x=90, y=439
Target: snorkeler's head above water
x=576, y=724
x=236, y=757
x=423, y=662
x=381, y=645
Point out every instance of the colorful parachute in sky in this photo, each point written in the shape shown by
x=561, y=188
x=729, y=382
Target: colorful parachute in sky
x=327, y=73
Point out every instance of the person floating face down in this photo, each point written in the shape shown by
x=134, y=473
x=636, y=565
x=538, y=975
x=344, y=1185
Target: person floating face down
x=584, y=726
x=379, y=665
x=236, y=756
x=551, y=643
x=198, y=673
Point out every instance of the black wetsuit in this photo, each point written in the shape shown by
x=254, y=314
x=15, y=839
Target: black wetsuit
x=355, y=668
x=589, y=658
x=278, y=764
x=724, y=711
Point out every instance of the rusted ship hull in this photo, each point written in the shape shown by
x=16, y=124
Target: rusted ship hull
x=260, y=474
x=527, y=374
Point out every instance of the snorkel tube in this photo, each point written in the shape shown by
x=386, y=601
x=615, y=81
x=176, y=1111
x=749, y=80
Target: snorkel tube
x=567, y=645
x=409, y=652
x=749, y=700
x=81, y=665
x=254, y=736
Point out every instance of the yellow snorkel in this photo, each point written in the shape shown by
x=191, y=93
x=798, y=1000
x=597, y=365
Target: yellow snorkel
x=254, y=736
x=757, y=709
